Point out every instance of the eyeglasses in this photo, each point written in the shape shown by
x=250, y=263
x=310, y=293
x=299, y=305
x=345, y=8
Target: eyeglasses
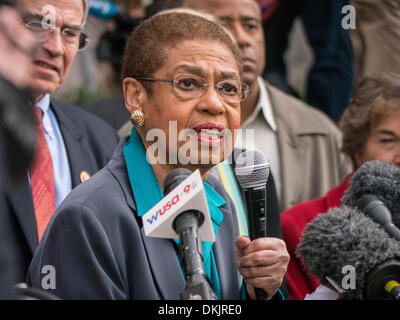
x=189, y=86
x=70, y=37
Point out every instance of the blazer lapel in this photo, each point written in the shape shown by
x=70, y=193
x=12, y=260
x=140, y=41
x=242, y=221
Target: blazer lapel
x=224, y=249
x=291, y=153
x=20, y=198
x=167, y=273
x=72, y=136
x=292, y=172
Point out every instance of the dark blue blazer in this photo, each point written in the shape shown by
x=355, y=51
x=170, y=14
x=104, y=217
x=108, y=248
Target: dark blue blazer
x=98, y=248
x=90, y=143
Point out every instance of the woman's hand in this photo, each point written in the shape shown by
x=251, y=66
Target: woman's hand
x=262, y=263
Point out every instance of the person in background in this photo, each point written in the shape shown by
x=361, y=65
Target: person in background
x=371, y=131
x=71, y=144
x=161, y=5
x=376, y=37
x=194, y=82
x=109, y=50
x=301, y=142
x=134, y=8
x=329, y=83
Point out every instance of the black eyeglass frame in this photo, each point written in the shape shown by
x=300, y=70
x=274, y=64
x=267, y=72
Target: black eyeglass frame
x=83, y=41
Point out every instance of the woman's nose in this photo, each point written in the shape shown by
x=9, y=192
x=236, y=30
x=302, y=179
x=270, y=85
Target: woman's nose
x=210, y=101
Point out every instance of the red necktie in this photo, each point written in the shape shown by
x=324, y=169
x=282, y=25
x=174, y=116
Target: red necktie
x=42, y=179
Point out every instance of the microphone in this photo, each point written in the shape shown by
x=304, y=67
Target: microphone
x=377, y=178
x=183, y=213
x=186, y=225
x=252, y=171
x=105, y=10
x=377, y=211
x=188, y=194
x=344, y=239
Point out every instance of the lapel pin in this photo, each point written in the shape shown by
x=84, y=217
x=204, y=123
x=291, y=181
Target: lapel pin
x=84, y=176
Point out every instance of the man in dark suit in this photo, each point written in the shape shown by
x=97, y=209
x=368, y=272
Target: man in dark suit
x=17, y=146
x=72, y=144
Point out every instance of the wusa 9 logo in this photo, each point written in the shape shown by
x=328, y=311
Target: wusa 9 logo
x=170, y=204
x=189, y=195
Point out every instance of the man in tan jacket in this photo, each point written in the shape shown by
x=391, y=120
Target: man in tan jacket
x=302, y=143
x=376, y=38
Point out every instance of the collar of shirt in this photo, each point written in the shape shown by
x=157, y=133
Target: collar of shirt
x=264, y=104
x=44, y=105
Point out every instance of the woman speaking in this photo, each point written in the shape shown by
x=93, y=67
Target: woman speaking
x=183, y=90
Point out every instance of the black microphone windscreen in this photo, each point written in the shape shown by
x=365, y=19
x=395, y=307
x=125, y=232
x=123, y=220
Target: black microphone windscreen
x=252, y=168
x=174, y=178
x=365, y=200
x=345, y=237
x=379, y=179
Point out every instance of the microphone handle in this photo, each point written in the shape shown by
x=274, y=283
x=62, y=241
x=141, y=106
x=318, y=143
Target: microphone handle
x=256, y=199
x=377, y=211
x=392, y=230
x=186, y=224
x=197, y=284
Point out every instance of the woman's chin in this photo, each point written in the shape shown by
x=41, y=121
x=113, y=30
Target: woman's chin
x=204, y=156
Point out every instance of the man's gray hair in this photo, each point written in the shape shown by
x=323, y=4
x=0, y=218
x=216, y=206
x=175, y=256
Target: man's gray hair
x=85, y=4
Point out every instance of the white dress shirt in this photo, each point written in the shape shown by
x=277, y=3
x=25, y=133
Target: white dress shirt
x=259, y=132
x=322, y=293
x=58, y=152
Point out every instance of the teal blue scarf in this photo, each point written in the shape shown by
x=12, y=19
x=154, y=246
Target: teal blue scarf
x=147, y=193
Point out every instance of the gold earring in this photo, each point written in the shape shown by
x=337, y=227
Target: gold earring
x=137, y=118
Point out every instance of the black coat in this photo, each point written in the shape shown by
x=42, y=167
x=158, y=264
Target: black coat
x=89, y=143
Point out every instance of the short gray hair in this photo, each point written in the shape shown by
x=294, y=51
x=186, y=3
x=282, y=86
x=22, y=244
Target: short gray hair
x=162, y=32
x=85, y=4
x=374, y=97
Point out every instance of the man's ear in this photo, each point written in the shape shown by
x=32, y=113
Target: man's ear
x=134, y=94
